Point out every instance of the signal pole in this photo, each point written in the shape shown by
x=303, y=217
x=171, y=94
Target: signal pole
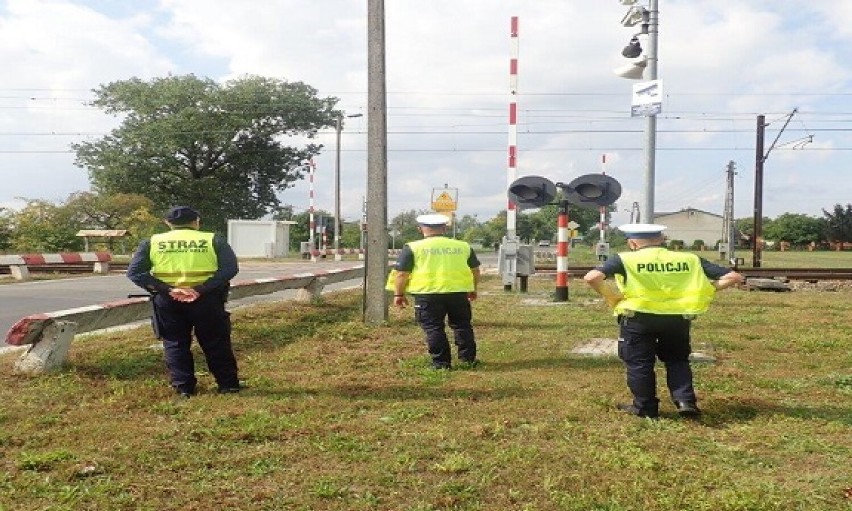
x=728, y=226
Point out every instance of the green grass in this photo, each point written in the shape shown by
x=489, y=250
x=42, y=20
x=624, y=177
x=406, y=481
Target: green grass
x=342, y=416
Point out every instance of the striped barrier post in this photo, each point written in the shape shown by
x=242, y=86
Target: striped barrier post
x=561, y=294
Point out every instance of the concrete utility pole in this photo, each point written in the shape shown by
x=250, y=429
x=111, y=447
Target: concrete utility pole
x=729, y=229
x=651, y=126
x=760, y=159
x=376, y=267
x=757, y=234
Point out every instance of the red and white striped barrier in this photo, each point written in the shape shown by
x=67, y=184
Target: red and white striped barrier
x=51, y=333
x=346, y=251
x=18, y=263
x=340, y=251
x=61, y=258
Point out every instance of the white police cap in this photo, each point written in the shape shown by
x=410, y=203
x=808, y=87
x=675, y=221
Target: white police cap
x=639, y=231
x=433, y=220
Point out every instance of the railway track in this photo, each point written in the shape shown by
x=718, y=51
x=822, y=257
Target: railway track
x=814, y=274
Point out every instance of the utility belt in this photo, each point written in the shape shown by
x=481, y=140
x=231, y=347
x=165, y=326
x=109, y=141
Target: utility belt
x=638, y=314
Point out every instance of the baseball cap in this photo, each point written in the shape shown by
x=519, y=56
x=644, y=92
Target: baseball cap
x=182, y=215
x=642, y=231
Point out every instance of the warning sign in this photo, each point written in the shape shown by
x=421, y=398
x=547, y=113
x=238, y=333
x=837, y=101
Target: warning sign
x=444, y=202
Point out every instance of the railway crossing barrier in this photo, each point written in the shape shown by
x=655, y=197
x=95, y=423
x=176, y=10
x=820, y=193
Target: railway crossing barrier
x=49, y=335
x=19, y=264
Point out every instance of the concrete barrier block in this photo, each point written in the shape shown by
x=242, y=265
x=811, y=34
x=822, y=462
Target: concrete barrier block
x=20, y=272
x=312, y=292
x=50, y=352
x=102, y=267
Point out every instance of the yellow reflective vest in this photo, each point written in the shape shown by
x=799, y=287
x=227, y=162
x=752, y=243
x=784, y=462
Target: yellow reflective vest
x=440, y=266
x=659, y=281
x=183, y=257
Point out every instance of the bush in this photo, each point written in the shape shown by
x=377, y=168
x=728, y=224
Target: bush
x=676, y=244
x=698, y=245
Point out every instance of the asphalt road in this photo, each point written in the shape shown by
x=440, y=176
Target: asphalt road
x=24, y=298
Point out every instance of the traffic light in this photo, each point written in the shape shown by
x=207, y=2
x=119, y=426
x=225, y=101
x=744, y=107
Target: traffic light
x=532, y=192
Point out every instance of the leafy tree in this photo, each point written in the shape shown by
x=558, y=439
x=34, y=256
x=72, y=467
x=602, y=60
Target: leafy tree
x=7, y=228
x=120, y=211
x=405, y=224
x=301, y=231
x=219, y=148
x=746, y=225
x=542, y=223
x=350, y=235
x=466, y=224
x=796, y=228
x=839, y=223
x=494, y=230
x=42, y=226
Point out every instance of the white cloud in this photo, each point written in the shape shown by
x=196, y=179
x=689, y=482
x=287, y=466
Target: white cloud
x=723, y=63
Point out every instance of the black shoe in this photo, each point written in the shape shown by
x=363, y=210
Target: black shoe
x=184, y=393
x=231, y=389
x=687, y=409
x=632, y=410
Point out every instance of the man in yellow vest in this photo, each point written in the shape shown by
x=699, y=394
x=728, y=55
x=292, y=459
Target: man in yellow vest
x=188, y=271
x=442, y=274
x=659, y=293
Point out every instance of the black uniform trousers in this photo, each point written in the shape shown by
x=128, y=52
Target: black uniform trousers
x=645, y=337
x=211, y=323
x=430, y=311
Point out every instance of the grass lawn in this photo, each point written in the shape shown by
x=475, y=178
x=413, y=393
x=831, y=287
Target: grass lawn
x=342, y=416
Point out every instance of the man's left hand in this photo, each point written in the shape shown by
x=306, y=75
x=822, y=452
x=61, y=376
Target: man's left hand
x=183, y=294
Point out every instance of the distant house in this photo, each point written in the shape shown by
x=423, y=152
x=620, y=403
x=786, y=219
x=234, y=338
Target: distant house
x=692, y=224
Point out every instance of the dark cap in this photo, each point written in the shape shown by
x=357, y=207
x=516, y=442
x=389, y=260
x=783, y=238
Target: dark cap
x=181, y=215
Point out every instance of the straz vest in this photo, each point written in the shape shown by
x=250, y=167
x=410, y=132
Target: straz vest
x=183, y=257
x=440, y=266
x=659, y=281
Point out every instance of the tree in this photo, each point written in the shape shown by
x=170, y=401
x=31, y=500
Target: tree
x=839, y=223
x=131, y=212
x=7, y=228
x=746, y=226
x=542, y=223
x=301, y=231
x=350, y=235
x=405, y=226
x=42, y=226
x=464, y=225
x=218, y=148
x=796, y=228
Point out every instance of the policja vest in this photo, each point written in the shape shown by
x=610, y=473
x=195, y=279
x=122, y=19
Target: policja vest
x=660, y=281
x=183, y=257
x=440, y=266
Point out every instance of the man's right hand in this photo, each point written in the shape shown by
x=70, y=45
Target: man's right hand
x=183, y=294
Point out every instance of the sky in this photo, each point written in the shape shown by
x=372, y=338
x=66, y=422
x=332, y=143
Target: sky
x=722, y=63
